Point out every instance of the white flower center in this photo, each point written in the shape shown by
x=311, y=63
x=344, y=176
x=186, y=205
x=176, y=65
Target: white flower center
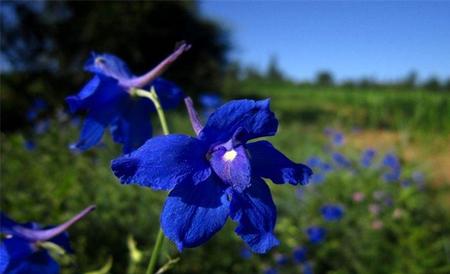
x=229, y=155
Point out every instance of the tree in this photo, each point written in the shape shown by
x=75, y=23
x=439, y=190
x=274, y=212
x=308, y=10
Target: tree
x=324, y=78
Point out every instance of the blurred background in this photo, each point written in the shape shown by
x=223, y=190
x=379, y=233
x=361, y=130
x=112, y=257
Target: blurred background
x=361, y=90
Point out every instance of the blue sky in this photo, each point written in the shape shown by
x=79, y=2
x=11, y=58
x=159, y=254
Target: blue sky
x=382, y=40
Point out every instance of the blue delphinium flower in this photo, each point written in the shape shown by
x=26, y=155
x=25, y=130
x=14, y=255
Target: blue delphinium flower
x=316, y=234
x=367, y=157
x=108, y=100
x=216, y=175
x=22, y=248
x=331, y=212
x=300, y=254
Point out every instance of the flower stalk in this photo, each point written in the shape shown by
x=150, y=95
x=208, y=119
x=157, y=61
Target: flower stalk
x=162, y=118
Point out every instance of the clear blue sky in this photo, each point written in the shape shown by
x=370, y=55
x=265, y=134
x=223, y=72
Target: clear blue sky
x=383, y=40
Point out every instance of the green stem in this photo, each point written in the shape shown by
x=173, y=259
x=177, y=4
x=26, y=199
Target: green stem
x=162, y=118
x=155, y=253
x=154, y=98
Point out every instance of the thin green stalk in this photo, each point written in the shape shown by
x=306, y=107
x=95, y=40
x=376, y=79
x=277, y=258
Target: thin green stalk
x=155, y=253
x=162, y=118
x=154, y=98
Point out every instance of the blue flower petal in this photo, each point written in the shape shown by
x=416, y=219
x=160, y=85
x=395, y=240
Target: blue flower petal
x=14, y=250
x=91, y=134
x=169, y=94
x=82, y=99
x=232, y=166
x=256, y=214
x=162, y=162
x=193, y=213
x=4, y=258
x=254, y=117
x=37, y=263
x=108, y=65
x=268, y=162
x=134, y=127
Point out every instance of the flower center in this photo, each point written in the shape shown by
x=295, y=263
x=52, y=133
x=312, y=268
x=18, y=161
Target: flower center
x=229, y=155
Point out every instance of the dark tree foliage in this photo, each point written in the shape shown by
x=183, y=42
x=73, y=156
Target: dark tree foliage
x=45, y=44
x=324, y=78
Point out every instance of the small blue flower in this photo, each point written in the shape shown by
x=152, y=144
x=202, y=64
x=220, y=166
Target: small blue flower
x=300, y=254
x=337, y=139
x=216, y=175
x=22, y=251
x=341, y=160
x=316, y=234
x=29, y=145
x=367, y=157
x=108, y=101
x=390, y=160
x=332, y=212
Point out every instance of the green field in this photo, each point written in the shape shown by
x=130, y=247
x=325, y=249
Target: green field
x=50, y=183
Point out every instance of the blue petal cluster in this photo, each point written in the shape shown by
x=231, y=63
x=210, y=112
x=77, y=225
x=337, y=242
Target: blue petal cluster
x=107, y=99
x=20, y=250
x=332, y=212
x=316, y=234
x=300, y=254
x=216, y=175
x=392, y=163
x=367, y=157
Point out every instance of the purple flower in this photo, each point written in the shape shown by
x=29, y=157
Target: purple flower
x=216, y=175
x=23, y=248
x=332, y=212
x=316, y=234
x=300, y=254
x=367, y=157
x=108, y=101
